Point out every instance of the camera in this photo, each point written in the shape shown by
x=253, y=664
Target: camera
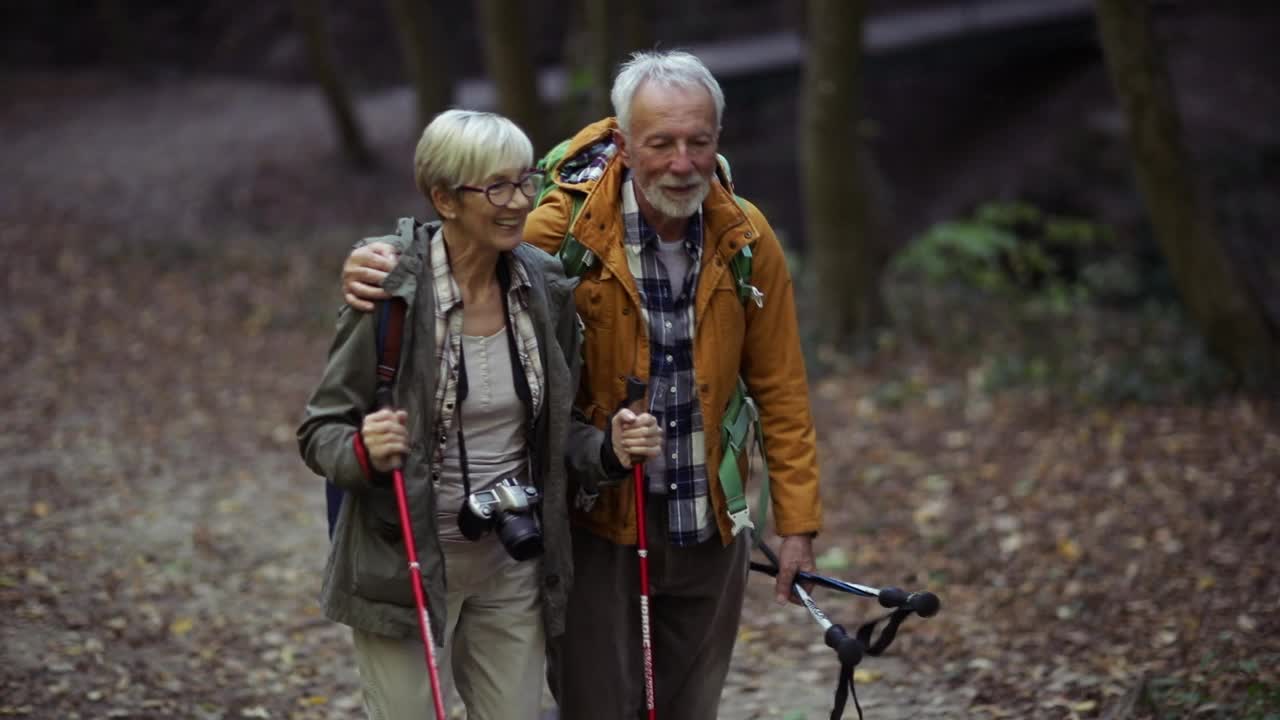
x=510, y=506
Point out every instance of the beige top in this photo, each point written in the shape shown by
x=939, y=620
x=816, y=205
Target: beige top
x=493, y=425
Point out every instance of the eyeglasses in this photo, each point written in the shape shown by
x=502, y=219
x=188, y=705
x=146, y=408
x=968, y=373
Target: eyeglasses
x=500, y=193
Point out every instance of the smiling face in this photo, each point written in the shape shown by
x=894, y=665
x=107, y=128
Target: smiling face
x=470, y=214
x=671, y=149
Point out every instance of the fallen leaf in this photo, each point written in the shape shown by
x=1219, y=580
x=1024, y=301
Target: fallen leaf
x=863, y=675
x=1069, y=549
x=833, y=559
x=181, y=626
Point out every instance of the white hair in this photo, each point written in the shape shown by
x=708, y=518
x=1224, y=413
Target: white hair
x=463, y=147
x=674, y=68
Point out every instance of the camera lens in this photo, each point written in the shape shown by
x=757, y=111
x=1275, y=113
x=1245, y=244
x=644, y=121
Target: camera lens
x=520, y=535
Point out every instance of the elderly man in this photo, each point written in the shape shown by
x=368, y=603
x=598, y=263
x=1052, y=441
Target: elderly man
x=645, y=195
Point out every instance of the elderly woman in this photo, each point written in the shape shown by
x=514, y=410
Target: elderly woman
x=482, y=400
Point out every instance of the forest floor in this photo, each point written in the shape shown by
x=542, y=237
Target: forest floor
x=171, y=254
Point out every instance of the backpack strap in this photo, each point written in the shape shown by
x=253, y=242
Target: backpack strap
x=740, y=266
x=389, y=335
x=740, y=424
x=740, y=263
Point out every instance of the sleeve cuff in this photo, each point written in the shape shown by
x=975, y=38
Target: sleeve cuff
x=371, y=474
x=609, y=462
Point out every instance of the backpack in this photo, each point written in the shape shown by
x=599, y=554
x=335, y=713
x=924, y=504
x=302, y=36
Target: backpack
x=576, y=258
x=741, y=415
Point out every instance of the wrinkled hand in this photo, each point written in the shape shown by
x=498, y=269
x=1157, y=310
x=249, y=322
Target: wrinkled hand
x=635, y=437
x=363, y=272
x=796, y=553
x=386, y=437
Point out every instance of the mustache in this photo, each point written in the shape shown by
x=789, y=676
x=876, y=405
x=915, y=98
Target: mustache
x=669, y=180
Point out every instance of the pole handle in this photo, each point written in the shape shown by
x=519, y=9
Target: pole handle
x=924, y=604
x=636, y=389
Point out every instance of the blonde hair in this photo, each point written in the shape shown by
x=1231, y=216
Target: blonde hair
x=463, y=147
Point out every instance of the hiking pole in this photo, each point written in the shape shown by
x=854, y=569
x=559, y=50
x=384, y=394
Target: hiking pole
x=391, y=322
x=635, y=392
x=848, y=649
x=415, y=573
x=924, y=604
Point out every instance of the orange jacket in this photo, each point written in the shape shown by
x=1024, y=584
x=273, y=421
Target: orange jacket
x=760, y=343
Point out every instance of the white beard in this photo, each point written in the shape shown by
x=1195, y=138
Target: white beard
x=680, y=209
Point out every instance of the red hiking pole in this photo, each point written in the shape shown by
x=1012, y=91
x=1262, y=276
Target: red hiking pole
x=415, y=575
x=390, y=330
x=635, y=391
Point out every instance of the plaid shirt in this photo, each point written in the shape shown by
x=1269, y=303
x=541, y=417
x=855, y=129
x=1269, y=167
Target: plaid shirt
x=680, y=472
x=448, y=328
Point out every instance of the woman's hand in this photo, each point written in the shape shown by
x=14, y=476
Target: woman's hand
x=363, y=272
x=635, y=437
x=386, y=437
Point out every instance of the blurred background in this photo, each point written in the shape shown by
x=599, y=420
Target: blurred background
x=1039, y=289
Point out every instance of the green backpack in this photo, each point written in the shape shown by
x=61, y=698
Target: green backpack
x=741, y=416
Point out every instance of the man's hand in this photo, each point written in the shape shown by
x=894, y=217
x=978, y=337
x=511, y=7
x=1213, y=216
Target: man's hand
x=386, y=437
x=796, y=553
x=363, y=272
x=634, y=436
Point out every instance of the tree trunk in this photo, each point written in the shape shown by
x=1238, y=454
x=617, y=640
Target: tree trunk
x=602, y=34
x=426, y=62
x=116, y=33
x=1229, y=316
x=310, y=15
x=601, y=57
x=511, y=66
x=839, y=181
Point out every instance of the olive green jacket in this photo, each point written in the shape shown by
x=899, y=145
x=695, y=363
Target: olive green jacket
x=366, y=580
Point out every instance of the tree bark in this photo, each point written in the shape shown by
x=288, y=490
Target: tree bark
x=1228, y=314
x=310, y=15
x=116, y=32
x=601, y=56
x=511, y=66
x=426, y=64
x=839, y=178
x=601, y=34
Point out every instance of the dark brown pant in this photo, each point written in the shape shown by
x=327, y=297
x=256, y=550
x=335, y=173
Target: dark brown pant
x=596, y=667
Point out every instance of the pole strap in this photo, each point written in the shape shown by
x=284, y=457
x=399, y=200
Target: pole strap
x=845, y=690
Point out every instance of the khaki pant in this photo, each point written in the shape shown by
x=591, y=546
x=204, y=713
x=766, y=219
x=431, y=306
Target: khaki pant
x=494, y=643
x=696, y=601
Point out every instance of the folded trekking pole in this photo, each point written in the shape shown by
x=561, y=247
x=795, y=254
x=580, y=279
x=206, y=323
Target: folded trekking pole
x=924, y=604
x=850, y=650
x=390, y=330
x=635, y=392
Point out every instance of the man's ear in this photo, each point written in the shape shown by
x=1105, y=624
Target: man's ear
x=621, y=141
x=445, y=202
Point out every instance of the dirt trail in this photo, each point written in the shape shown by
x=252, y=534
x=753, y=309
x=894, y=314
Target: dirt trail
x=161, y=540
x=170, y=260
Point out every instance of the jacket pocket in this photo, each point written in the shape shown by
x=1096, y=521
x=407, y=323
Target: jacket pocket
x=381, y=567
